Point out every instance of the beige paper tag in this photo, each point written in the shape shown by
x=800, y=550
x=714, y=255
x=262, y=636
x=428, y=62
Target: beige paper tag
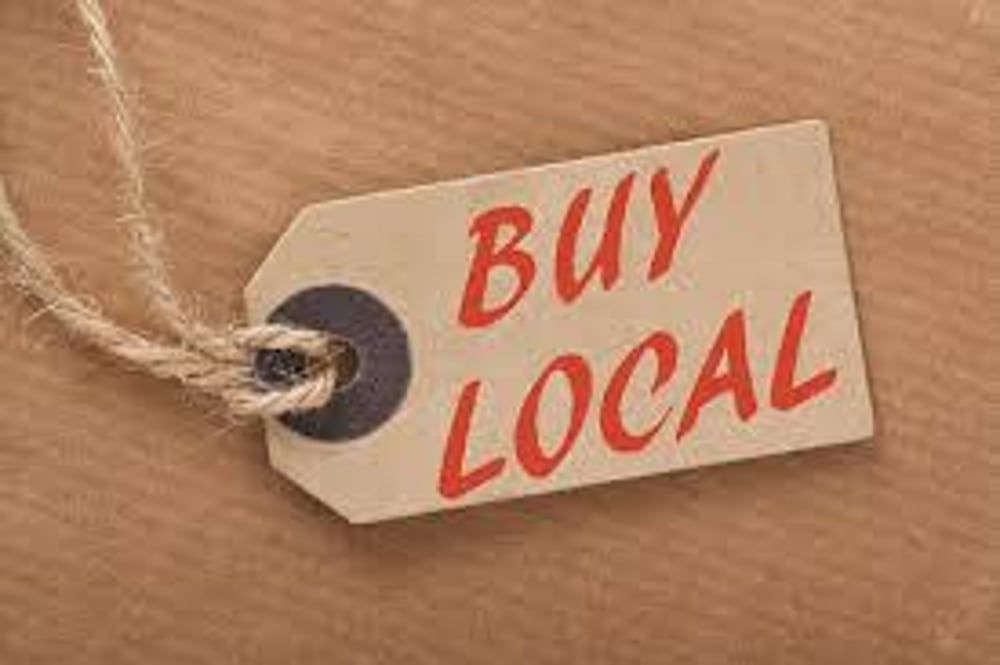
x=572, y=324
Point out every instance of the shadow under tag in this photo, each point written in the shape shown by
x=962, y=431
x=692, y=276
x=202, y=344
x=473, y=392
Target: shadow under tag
x=538, y=330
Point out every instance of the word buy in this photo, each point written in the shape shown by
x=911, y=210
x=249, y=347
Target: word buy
x=725, y=372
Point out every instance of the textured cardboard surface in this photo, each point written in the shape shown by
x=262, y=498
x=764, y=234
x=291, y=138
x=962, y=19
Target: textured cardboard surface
x=137, y=525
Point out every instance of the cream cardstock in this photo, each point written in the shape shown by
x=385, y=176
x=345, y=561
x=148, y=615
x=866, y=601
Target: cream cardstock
x=757, y=279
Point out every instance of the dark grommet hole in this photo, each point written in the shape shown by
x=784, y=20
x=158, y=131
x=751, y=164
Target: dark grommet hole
x=347, y=364
x=280, y=367
x=373, y=367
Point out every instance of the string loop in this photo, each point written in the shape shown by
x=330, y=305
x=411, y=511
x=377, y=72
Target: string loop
x=217, y=361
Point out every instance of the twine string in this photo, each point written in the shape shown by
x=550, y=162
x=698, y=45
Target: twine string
x=217, y=361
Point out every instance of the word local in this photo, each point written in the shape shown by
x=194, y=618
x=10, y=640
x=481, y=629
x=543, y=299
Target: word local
x=725, y=370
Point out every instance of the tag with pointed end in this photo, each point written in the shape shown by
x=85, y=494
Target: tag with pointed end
x=572, y=324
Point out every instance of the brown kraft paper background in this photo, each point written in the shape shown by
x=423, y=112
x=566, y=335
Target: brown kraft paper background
x=140, y=525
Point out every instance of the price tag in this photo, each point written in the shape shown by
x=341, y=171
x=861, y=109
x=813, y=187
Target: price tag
x=571, y=324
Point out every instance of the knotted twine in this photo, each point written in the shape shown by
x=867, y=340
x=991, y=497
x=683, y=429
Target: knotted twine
x=217, y=361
